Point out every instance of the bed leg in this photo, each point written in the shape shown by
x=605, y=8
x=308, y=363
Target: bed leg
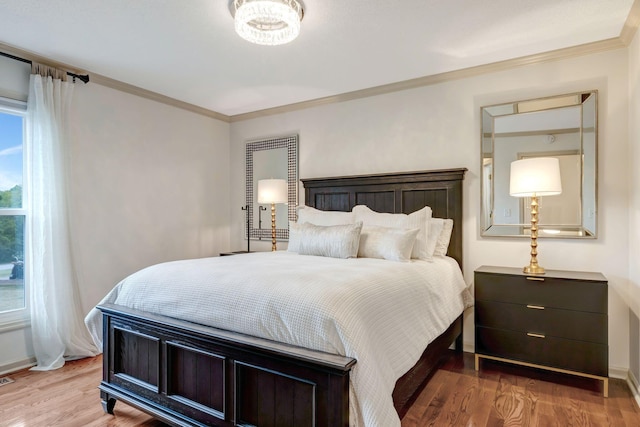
x=108, y=403
x=458, y=344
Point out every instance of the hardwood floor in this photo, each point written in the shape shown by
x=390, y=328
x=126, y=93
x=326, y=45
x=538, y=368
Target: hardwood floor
x=457, y=395
x=65, y=397
x=502, y=394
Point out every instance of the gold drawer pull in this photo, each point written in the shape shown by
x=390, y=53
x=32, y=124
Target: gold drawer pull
x=537, y=279
x=531, y=334
x=535, y=307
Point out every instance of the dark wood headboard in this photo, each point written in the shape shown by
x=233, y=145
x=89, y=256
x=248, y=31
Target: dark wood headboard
x=404, y=192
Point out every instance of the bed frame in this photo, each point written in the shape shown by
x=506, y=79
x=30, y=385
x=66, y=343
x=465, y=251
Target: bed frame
x=187, y=374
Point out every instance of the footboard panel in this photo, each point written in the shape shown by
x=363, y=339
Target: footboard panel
x=187, y=374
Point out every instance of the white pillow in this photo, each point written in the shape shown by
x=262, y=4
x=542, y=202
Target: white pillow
x=394, y=244
x=336, y=241
x=435, y=229
x=419, y=219
x=442, y=246
x=318, y=217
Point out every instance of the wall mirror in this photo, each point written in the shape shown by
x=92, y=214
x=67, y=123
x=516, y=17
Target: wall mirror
x=565, y=127
x=265, y=159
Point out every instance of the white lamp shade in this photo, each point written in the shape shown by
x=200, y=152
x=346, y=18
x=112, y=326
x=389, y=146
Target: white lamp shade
x=537, y=176
x=272, y=191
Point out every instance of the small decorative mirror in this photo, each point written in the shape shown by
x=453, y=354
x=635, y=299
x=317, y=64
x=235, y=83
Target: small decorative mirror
x=564, y=127
x=275, y=158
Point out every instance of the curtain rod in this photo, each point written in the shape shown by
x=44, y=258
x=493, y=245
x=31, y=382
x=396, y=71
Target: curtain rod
x=83, y=78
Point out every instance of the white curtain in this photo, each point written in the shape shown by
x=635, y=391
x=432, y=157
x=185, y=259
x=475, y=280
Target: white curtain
x=56, y=319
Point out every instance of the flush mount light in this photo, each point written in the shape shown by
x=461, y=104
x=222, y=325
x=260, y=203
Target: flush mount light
x=267, y=22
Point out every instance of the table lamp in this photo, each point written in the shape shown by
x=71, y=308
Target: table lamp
x=535, y=177
x=273, y=191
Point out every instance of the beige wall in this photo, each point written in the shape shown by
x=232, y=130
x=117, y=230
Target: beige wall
x=438, y=127
x=149, y=183
x=633, y=178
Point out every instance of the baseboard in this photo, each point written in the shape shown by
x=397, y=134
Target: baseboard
x=620, y=373
x=469, y=347
x=632, y=382
x=17, y=366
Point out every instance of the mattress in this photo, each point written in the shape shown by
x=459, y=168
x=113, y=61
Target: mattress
x=382, y=313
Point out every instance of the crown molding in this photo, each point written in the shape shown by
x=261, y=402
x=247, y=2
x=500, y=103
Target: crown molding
x=631, y=24
x=554, y=55
x=30, y=56
x=114, y=84
x=154, y=96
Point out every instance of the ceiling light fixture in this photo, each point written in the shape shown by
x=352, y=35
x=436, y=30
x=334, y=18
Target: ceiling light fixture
x=268, y=22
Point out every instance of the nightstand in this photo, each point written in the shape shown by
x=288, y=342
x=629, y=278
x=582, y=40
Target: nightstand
x=556, y=321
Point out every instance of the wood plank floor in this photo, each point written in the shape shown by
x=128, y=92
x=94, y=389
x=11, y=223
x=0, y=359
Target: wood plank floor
x=499, y=395
x=502, y=394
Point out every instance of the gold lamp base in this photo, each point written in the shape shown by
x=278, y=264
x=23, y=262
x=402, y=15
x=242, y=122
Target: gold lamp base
x=533, y=267
x=273, y=227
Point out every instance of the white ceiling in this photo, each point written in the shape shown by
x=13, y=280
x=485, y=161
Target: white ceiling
x=188, y=50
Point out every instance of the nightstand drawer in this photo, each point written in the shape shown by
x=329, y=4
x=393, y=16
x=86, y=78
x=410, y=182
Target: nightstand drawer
x=574, y=325
x=580, y=356
x=549, y=292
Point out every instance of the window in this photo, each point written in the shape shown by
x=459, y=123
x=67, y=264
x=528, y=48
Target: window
x=14, y=299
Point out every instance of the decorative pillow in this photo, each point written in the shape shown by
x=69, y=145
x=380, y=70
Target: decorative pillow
x=394, y=244
x=336, y=241
x=419, y=219
x=442, y=246
x=318, y=217
x=435, y=228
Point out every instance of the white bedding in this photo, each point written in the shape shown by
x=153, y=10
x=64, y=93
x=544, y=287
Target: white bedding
x=382, y=313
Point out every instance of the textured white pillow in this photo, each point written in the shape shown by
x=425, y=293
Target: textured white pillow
x=336, y=241
x=435, y=228
x=442, y=246
x=318, y=217
x=394, y=244
x=419, y=219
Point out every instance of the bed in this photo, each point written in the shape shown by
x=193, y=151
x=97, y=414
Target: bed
x=185, y=373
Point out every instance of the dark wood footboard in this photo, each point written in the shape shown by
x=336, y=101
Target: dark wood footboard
x=186, y=374
x=191, y=375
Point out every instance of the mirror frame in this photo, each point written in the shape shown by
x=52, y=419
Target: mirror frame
x=291, y=145
x=488, y=114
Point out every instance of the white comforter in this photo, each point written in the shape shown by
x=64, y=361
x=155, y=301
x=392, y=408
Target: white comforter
x=382, y=313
